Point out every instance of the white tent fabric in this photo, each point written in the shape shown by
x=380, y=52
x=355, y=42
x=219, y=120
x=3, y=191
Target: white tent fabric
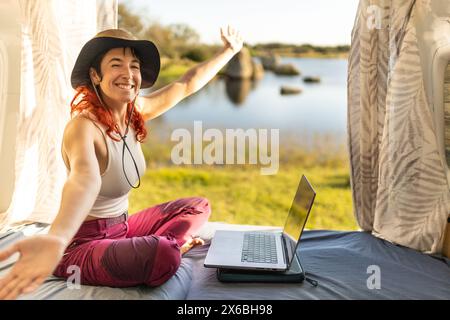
x=48, y=36
x=398, y=170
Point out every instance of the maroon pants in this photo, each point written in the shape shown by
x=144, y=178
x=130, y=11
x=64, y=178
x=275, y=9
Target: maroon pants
x=144, y=249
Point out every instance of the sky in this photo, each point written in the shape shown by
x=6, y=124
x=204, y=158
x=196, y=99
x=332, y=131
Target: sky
x=317, y=22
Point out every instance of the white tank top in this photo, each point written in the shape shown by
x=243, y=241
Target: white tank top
x=112, y=200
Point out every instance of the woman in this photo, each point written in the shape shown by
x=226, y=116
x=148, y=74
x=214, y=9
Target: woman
x=101, y=150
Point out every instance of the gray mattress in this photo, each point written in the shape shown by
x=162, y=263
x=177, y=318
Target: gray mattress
x=340, y=261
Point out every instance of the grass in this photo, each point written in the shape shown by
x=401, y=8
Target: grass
x=240, y=194
x=172, y=70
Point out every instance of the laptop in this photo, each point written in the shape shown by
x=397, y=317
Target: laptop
x=260, y=250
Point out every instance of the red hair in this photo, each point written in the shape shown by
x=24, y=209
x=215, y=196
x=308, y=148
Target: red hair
x=86, y=99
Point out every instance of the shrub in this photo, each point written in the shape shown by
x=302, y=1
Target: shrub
x=197, y=54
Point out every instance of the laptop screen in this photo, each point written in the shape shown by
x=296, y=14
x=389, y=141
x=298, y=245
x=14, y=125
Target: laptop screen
x=298, y=216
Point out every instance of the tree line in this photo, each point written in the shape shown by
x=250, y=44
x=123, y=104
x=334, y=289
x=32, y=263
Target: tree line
x=180, y=41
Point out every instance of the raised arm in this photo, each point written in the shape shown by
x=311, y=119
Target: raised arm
x=193, y=80
x=39, y=255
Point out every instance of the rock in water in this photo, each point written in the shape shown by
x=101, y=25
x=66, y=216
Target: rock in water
x=311, y=79
x=286, y=69
x=270, y=61
x=290, y=90
x=258, y=70
x=240, y=66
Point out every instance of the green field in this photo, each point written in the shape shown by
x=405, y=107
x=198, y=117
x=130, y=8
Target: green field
x=240, y=194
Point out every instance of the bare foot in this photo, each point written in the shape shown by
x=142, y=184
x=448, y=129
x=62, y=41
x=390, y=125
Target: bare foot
x=190, y=244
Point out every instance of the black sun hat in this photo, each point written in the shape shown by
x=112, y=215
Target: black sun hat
x=116, y=38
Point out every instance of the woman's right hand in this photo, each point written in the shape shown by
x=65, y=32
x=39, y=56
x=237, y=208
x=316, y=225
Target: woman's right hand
x=39, y=256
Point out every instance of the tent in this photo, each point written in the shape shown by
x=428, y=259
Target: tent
x=38, y=48
x=397, y=101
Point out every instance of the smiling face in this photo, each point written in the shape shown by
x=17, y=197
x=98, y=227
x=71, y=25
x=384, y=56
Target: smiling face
x=119, y=78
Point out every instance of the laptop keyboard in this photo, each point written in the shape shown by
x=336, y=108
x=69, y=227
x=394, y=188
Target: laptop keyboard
x=259, y=248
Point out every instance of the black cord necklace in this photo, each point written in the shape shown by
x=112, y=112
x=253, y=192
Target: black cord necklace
x=123, y=139
x=125, y=146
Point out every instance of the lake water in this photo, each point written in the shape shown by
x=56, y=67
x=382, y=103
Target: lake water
x=321, y=108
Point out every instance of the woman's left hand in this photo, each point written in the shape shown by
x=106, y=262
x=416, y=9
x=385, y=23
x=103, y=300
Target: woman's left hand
x=232, y=39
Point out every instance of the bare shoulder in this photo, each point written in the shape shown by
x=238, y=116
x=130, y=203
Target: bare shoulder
x=79, y=145
x=78, y=128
